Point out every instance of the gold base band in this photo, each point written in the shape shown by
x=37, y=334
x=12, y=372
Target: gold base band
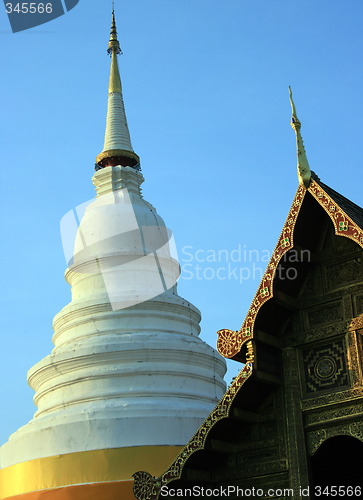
x=86, y=467
x=105, y=491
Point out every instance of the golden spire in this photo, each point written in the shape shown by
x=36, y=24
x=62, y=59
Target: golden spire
x=114, y=49
x=303, y=169
x=113, y=44
x=117, y=149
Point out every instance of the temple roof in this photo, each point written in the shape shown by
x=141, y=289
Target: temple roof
x=249, y=387
x=314, y=204
x=355, y=212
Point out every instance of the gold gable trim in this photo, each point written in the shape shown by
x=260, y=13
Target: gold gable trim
x=343, y=224
x=146, y=486
x=230, y=342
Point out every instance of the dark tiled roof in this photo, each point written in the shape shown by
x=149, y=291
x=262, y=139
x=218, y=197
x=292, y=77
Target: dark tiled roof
x=354, y=211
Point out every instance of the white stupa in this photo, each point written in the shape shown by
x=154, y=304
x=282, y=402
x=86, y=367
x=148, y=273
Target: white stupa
x=129, y=380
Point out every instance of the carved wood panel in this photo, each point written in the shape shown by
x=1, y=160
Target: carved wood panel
x=325, y=368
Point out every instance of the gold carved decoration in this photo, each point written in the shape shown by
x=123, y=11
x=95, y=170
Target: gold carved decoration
x=316, y=438
x=250, y=357
x=230, y=342
x=335, y=398
x=343, y=224
x=356, y=323
x=147, y=487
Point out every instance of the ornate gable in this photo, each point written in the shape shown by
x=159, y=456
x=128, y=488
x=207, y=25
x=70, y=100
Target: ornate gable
x=301, y=342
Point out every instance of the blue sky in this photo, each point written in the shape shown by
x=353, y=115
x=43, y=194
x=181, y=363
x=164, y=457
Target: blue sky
x=206, y=93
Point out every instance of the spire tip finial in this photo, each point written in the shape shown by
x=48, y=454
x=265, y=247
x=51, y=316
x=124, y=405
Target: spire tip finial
x=113, y=44
x=303, y=168
x=295, y=123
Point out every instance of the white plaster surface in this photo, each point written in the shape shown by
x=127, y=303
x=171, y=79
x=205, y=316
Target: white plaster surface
x=117, y=134
x=120, y=376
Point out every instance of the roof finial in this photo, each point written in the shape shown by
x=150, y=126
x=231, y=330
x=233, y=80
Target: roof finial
x=113, y=44
x=117, y=149
x=303, y=169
